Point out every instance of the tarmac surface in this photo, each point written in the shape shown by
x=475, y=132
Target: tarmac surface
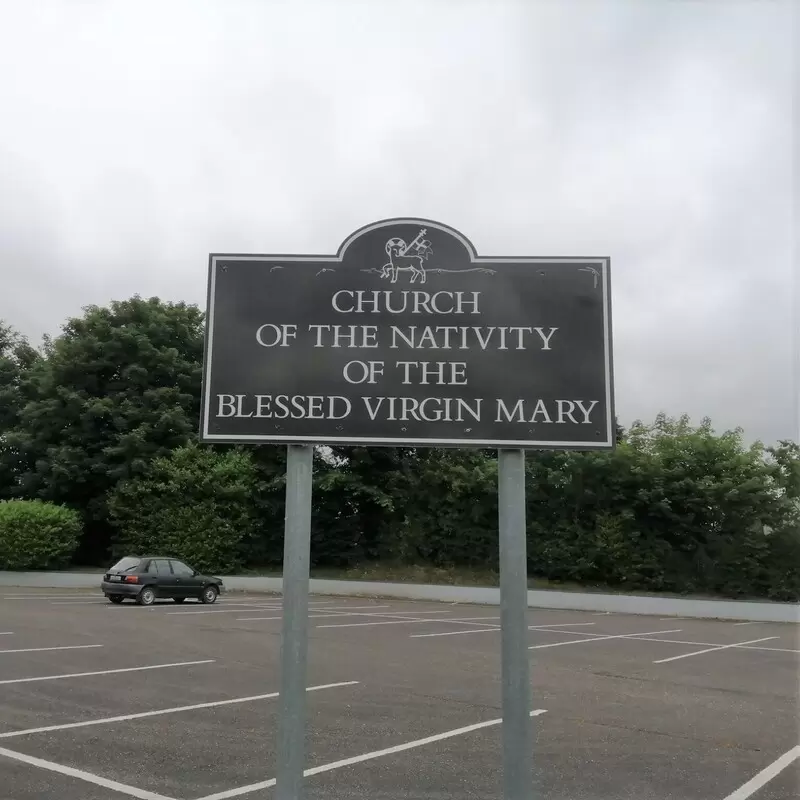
x=103, y=702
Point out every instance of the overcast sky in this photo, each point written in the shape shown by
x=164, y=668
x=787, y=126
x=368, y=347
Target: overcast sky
x=138, y=136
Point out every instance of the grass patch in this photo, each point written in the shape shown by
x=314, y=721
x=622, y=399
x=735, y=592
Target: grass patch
x=470, y=576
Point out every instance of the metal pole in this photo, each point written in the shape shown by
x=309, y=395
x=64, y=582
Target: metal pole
x=517, y=740
x=294, y=637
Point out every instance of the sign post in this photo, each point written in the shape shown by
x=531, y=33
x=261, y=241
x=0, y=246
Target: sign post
x=406, y=337
x=294, y=635
x=517, y=744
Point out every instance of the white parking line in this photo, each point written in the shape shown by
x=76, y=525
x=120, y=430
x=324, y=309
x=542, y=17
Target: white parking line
x=229, y=608
x=274, y=608
x=106, y=672
x=44, y=649
x=748, y=623
x=346, y=762
x=599, y=639
x=452, y=633
x=6, y=633
x=239, y=594
x=753, y=647
x=52, y=597
x=331, y=614
x=261, y=597
x=266, y=605
x=403, y=620
x=561, y=625
x=78, y=602
x=634, y=636
x=712, y=649
x=386, y=614
x=713, y=645
x=264, y=619
x=242, y=607
x=335, y=611
x=192, y=608
x=765, y=776
x=497, y=628
x=716, y=645
x=122, y=788
x=158, y=712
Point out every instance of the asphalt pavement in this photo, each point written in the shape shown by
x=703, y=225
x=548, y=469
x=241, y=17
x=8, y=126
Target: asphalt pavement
x=404, y=702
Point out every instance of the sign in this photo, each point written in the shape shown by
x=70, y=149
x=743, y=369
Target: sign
x=407, y=337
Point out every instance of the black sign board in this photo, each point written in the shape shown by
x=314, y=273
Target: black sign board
x=408, y=337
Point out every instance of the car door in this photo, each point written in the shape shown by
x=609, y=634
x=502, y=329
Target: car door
x=187, y=585
x=164, y=579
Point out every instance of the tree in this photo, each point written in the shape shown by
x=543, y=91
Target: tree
x=17, y=357
x=359, y=504
x=712, y=500
x=675, y=507
x=196, y=504
x=451, y=509
x=784, y=461
x=119, y=387
x=418, y=506
x=582, y=525
x=783, y=540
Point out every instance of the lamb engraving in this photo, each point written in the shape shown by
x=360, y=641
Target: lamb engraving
x=407, y=257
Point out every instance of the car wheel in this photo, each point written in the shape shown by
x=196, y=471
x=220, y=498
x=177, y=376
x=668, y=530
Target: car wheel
x=209, y=594
x=146, y=597
x=116, y=598
x=178, y=599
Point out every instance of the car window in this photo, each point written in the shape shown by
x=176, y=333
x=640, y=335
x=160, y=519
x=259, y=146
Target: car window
x=126, y=564
x=162, y=566
x=179, y=568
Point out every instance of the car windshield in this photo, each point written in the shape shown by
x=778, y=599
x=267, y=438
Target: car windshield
x=126, y=564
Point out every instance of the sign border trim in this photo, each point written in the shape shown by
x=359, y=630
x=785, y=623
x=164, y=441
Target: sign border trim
x=604, y=261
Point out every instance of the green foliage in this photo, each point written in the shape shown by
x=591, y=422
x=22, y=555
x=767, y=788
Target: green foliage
x=103, y=418
x=675, y=508
x=17, y=357
x=264, y=545
x=119, y=387
x=405, y=505
x=784, y=462
x=36, y=535
x=195, y=504
x=451, y=510
x=782, y=560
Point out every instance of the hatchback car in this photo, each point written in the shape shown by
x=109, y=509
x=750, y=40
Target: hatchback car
x=144, y=579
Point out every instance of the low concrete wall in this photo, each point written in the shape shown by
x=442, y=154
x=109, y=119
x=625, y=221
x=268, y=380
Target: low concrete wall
x=576, y=601
x=51, y=580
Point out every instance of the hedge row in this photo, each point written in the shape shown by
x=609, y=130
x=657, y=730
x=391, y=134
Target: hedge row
x=37, y=535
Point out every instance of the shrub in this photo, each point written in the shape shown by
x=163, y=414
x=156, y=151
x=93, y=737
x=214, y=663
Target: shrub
x=37, y=535
x=196, y=504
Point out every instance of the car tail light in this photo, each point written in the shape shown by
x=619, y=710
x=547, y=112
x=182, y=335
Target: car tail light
x=131, y=579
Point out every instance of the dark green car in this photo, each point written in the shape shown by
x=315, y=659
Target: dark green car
x=145, y=579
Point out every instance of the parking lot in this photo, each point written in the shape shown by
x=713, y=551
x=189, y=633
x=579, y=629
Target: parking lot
x=179, y=702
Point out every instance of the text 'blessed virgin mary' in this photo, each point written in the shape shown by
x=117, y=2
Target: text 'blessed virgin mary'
x=421, y=355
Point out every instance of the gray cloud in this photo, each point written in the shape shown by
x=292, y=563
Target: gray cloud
x=137, y=137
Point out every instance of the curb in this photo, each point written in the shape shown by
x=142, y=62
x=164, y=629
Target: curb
x=573, y=601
